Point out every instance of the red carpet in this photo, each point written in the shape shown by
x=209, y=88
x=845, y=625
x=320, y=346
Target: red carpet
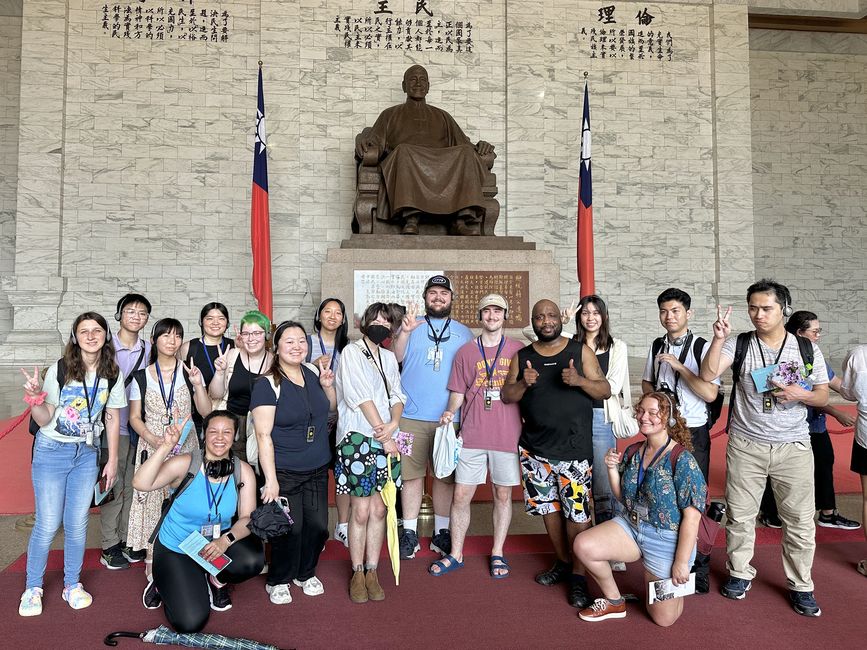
x=16, y=493
x=467, y=609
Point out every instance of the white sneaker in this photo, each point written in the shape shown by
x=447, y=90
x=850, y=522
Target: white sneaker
x=340, y=534
x=31, y=602
x=279, y=594
x=311, y=587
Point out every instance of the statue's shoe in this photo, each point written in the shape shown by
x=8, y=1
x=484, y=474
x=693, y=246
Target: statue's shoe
x=410, y=227
x=464, y=229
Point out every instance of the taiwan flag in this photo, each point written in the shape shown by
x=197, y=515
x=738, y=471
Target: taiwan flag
x=260, y=226
x=585, y=207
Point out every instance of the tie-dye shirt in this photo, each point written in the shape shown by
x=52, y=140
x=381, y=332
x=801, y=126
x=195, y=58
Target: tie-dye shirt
x=70, y=404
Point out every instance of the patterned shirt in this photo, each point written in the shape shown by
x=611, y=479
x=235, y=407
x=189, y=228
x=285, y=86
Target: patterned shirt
x=665, y=496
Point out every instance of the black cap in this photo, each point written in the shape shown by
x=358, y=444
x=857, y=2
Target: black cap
x=438, y=281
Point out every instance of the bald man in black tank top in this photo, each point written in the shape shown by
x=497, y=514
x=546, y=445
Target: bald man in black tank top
x=554, y=381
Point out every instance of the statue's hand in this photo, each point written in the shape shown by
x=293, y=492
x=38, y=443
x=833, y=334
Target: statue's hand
x=484, y=148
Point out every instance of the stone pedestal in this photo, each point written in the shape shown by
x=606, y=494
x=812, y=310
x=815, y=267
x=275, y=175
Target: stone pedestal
x=405, y=252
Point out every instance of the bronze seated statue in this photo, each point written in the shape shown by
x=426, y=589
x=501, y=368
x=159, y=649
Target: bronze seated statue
x=419, y=173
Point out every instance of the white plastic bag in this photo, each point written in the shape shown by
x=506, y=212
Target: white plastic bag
x=446, y=451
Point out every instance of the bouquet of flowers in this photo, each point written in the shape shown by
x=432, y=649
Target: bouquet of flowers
x=404, y=440
x=789, y=373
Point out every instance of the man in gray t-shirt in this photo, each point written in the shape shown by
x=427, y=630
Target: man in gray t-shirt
x=769, y=438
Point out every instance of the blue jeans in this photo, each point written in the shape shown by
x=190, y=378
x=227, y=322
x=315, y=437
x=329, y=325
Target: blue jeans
x=603, y=440
x=63, y=478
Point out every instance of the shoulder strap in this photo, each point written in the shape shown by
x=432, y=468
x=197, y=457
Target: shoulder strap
x=698, y=348
x=805, y=346
x=743, y=342
x=128, y=380
x=655, y=349
x=141, y=379
x=193, y=469
x=630, y=451
x=675, y=454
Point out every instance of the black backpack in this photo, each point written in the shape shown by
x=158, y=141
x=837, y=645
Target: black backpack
x=805, y=346
x=61, y=381
x=714, y=408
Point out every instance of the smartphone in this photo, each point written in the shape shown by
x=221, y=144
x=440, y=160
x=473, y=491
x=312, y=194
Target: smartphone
x=220, y=562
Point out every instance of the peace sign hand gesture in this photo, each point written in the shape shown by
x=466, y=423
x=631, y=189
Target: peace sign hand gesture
x=32, y=387
x=721, y=326
x=326, y=375
x=194, y=374
x=569, y=313
x=410, y=321
x=221, y=363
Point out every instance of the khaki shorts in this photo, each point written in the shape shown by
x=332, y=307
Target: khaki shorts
x=474, y=463
x=416, y=466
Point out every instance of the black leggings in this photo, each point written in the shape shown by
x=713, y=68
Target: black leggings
x=183, y=586
x=295, y=556
x=823, y=474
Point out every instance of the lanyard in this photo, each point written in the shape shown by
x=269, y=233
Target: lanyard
x=171, y=398
x=91, y=400
x=324, y=351
x=215, y=496
x=779, y=354
x=220, y=349
x=438, y=337
x=641, y=471
x=379, y=367
x=489, y=372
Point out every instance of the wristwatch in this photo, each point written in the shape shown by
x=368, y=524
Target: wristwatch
x=231, y=537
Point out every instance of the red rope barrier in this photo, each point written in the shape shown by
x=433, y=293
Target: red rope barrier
x=18, y=420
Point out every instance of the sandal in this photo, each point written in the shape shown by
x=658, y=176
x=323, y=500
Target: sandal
x=498, y=563
x=444, y=568
x=862, y=567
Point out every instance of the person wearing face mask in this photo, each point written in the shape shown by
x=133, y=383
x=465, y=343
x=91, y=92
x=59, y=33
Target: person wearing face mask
x=370, y=401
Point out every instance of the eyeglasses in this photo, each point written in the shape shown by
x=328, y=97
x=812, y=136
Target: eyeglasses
x=815, y=330
x=131, y=313
x=252, y=335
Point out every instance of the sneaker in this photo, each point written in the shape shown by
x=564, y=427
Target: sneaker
x=340, y=534
x=556, y=574
x=219, y=596
x=770, y=521
x=578, y=596
x=618, y=566
x=31, y=602
x=836, y=520
x=112, y=558
x=133, y=556
x=150, y=597
x=736, y=588
x=804, y=603
x=76, y=596
x=701, y=568
x=311, y=586
x=279, y=594
x=442, y=542
x=408, y=544
x=602, y=609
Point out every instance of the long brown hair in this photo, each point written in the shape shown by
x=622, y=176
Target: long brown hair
x=679, y=432
x=106, y=366
x=603, y=337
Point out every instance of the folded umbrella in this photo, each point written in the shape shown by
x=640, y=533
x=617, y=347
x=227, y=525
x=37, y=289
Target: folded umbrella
x=164, y=636
x=389, y=498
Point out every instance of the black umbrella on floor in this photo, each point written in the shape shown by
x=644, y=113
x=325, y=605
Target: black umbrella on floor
x=164, y=636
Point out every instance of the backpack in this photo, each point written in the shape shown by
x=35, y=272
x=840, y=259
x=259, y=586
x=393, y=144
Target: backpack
x=632, y=449
x=714, y=408
x=193, y=469
x=805, y=346
x=61, y=381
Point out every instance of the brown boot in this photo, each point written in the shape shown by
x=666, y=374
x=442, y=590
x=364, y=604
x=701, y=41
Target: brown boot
x=374, y=589
x=357, y=588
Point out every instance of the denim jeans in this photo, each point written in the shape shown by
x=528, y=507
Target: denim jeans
x=63, y=478
x=603, y=440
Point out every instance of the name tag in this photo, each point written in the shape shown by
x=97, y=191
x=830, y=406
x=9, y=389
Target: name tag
x=491, y=396
x=435, y=356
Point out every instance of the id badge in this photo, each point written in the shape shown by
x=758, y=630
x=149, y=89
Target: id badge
x=166, y=420
x=767, y=403
x=208, y=531
x=86, y=429
x=489, y=402
x=642, y=511
x=310, y=433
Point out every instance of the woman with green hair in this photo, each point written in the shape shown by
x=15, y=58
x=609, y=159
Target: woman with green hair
x=237, y=369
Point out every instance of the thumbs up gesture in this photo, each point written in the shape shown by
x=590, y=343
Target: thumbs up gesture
x=570, y=375
x=530, y=375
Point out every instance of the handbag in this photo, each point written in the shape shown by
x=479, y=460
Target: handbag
x=446, y=451
x=623, y=421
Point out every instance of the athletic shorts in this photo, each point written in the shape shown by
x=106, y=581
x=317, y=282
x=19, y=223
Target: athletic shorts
x=657, y=546
x=555, y=485
x=859, y=459
x=361, y=469
x=416, y=466
x=473, y=467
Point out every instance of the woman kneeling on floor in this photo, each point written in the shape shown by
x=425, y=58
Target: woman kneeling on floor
x=664, y=493
x=208, y=503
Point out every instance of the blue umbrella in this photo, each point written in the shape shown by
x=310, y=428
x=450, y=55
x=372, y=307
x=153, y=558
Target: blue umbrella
x=164, y=636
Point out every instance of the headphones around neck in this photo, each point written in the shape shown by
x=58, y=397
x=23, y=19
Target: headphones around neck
x=671, y=419
x=220, y=468
x=680, y=340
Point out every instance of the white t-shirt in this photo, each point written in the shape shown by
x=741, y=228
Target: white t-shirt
x=692, y=407
x=71, y=405
x=854, y=387
x=781, y=424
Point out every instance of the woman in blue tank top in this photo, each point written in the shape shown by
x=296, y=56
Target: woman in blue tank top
x=214, y=504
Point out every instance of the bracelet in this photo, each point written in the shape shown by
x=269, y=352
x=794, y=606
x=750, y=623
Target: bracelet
x=36, y=400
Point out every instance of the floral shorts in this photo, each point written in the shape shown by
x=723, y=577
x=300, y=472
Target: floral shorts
x=361, y=469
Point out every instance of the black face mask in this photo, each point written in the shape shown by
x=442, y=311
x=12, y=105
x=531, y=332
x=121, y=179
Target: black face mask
x=377, y=333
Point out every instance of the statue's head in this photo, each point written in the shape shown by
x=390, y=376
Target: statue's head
x=415, y=82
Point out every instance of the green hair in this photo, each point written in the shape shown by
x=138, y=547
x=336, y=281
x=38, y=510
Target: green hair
x=256, y=318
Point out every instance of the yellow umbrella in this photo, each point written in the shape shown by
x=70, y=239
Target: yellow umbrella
x=389, y=498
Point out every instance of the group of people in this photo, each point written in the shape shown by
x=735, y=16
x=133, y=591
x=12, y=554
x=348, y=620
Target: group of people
x=193, y=436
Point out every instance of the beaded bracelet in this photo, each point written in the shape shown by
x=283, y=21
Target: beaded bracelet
x=36, y=400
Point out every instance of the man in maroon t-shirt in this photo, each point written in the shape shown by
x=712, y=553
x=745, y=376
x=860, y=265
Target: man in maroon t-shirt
x=489, y=429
